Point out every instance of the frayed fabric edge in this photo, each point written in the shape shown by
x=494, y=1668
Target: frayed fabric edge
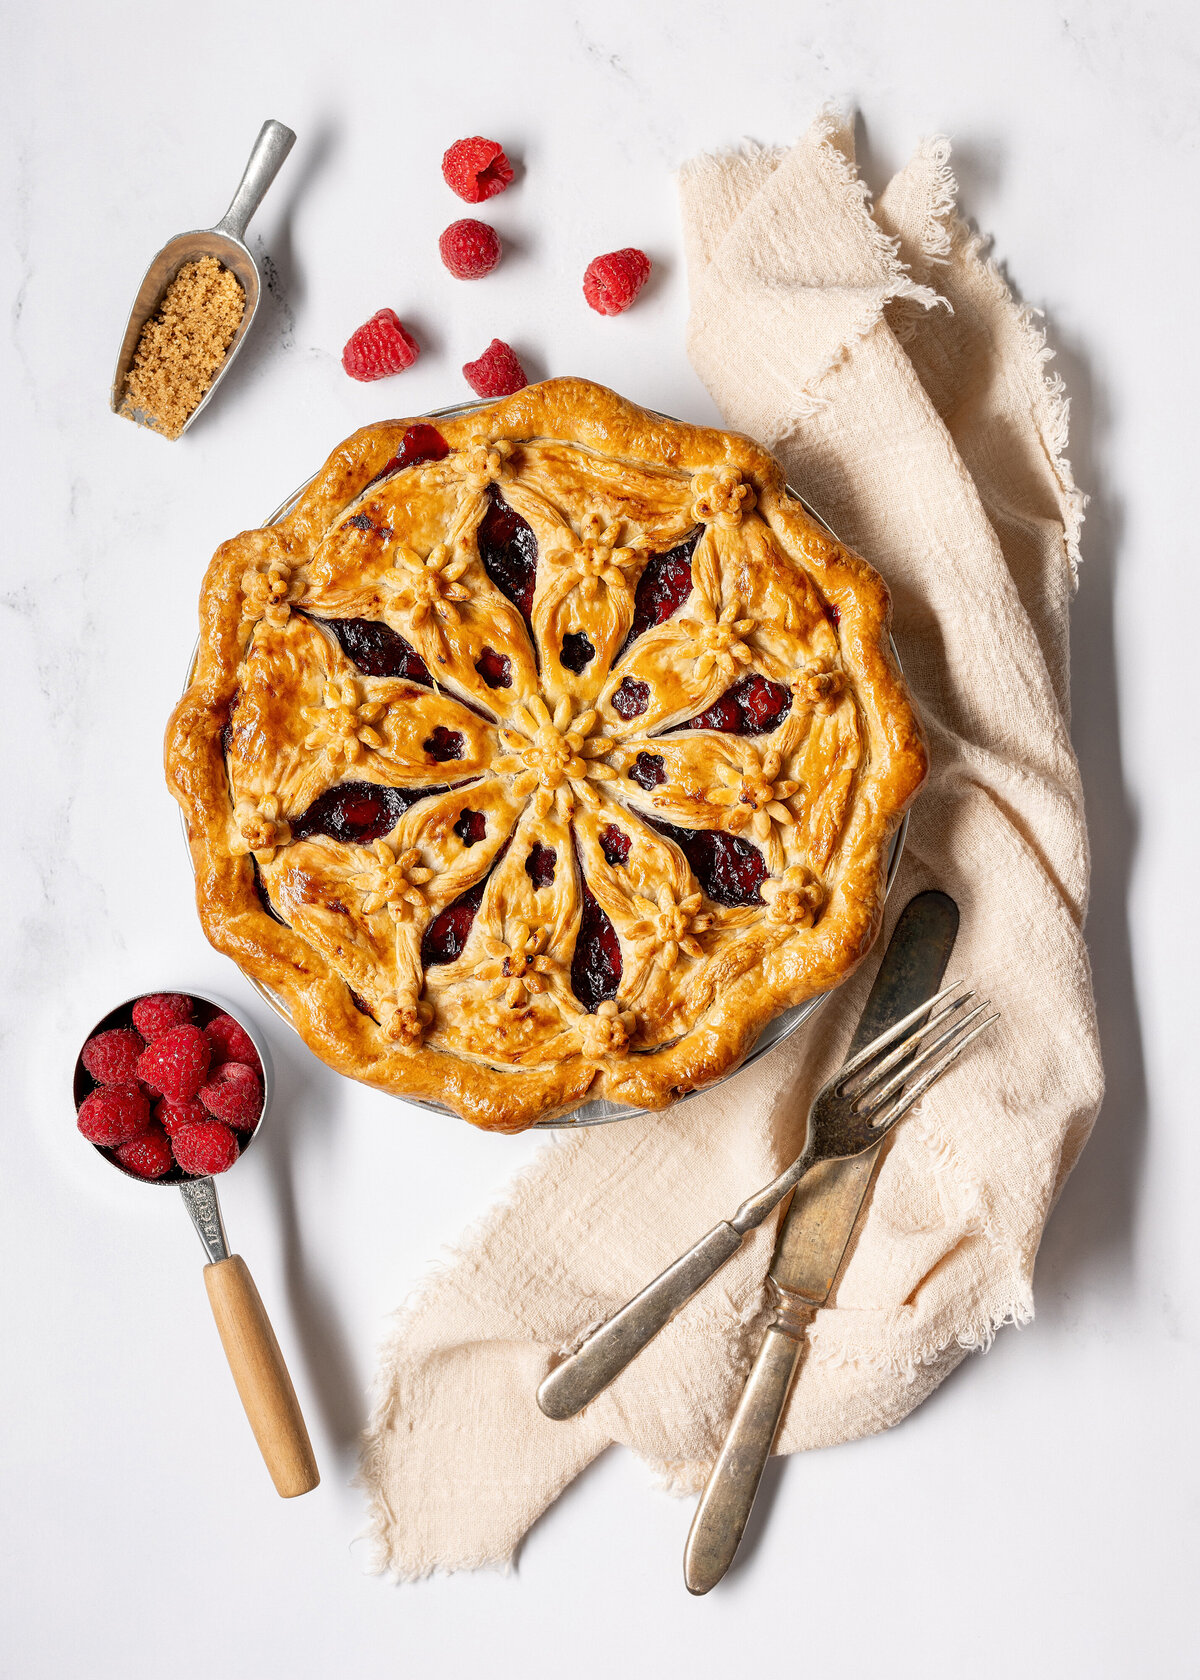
x=1055, y=420
x=830, y=129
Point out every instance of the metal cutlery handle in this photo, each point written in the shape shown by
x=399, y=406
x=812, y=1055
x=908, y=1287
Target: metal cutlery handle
x=720, y=1519
x=606, y=1352
x=272, y=146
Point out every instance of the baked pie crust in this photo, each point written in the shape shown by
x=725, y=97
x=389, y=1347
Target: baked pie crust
x=508, y=836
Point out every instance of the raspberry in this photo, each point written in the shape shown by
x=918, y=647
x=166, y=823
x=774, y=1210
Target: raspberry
x=205, y=1147
x=470, y=249
x=379, y=347
x=229, y=1041
x=175, y=1064
x=148, y=1155
x=497, y=373
x=171, y=1115
x=160, y=1012
x=111, y=1057
x=476, y=169
x=113, y=1114
x=611, y=282
x=234, y=1094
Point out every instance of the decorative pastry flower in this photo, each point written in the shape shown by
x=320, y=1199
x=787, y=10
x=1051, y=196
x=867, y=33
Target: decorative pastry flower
x=345, y=724
x=671, y=928
x=406, y=1023
x=557, y=759
x=393, y=882
x=717, y=640
x=722, y=496
x=597, y=558
x=481, y=464
x=819, y=687
x=517, y=971
x=428, y=589
x=261, y=828
x=607, y=1032
x=758, y=798
x=264, y=594
x=797, y=899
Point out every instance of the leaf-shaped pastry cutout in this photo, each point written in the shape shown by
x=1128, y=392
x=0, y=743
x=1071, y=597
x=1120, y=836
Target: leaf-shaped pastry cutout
x=311, y=885
x=842, y=746
x=653, y=503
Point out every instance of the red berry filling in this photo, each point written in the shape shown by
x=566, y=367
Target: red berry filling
x=471, y=827
x=730, y=870
x=447, y=933
x=663, y=587
x=648, y=771
x=508, y=549
x=377, y=650
x=596, y=965
x=615, y=844
x=419, y=444
x=753, y=706
x=576, y=651
x=444, y=744
x=540, y=865
x=358, y=812
x=631, y=699
x=495, y=668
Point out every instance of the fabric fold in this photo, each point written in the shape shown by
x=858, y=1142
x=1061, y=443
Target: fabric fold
x=882, y=357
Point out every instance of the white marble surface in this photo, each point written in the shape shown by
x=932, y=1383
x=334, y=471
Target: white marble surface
x=1039, y=1515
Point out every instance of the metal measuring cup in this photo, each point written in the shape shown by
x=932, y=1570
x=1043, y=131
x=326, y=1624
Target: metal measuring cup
x=263, y=1383
x=226, y=242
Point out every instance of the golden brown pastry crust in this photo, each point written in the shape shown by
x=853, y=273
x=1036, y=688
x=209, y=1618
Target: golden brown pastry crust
x=277, y=715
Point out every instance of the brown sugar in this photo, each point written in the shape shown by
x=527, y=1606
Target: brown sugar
x=182, y=345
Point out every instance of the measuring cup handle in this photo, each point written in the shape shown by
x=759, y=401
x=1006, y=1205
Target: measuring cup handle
x=272, y=146
x=261, y=1376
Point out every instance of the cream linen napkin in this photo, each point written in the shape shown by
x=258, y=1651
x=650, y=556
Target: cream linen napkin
x=878, y=353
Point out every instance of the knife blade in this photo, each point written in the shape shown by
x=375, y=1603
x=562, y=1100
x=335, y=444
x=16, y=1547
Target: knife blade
x=809, y=1252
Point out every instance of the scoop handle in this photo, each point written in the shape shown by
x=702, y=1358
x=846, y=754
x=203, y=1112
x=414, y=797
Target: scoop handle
x=272, y=146
x=261, y=1376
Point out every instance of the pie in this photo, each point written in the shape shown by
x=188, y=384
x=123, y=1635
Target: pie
x=541, y=755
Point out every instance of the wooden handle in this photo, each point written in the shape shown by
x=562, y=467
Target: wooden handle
x=607, y=1351
x=261, y=1376
x=720, y=1519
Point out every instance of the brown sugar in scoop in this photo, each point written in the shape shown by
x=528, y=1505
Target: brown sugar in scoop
x=183, y=345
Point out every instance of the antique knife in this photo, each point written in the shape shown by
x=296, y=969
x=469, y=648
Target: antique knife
x=812, y=1243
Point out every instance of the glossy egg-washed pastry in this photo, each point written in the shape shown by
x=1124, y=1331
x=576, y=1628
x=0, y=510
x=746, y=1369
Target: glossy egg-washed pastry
x=542, y=755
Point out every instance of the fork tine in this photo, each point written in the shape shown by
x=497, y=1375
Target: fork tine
x=872, y=1095
x=892, y=1034
x=906, y=1099
x=852, y=1087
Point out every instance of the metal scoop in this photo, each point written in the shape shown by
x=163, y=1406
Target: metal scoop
x=226, y=242
x=262, y=1379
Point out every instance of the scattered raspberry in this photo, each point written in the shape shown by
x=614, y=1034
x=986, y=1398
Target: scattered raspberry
x=205, y=1147
x=148, y=1155
x=470, y=249
x=229, y=1042
x=381, y=346
x=235, y=1095
x=160, y=1012
x=113, y=1114
x=497, y=373
x=611, y=282
x=476, y=169
x=111, y=1057
x=171, y=1115
x=175, y=1064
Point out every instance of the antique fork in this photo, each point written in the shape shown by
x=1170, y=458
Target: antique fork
x=850, y=1113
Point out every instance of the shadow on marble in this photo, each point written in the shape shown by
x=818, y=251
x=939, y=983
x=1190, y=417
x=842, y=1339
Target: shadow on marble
x=325, y=1350
x=1092, y=1227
